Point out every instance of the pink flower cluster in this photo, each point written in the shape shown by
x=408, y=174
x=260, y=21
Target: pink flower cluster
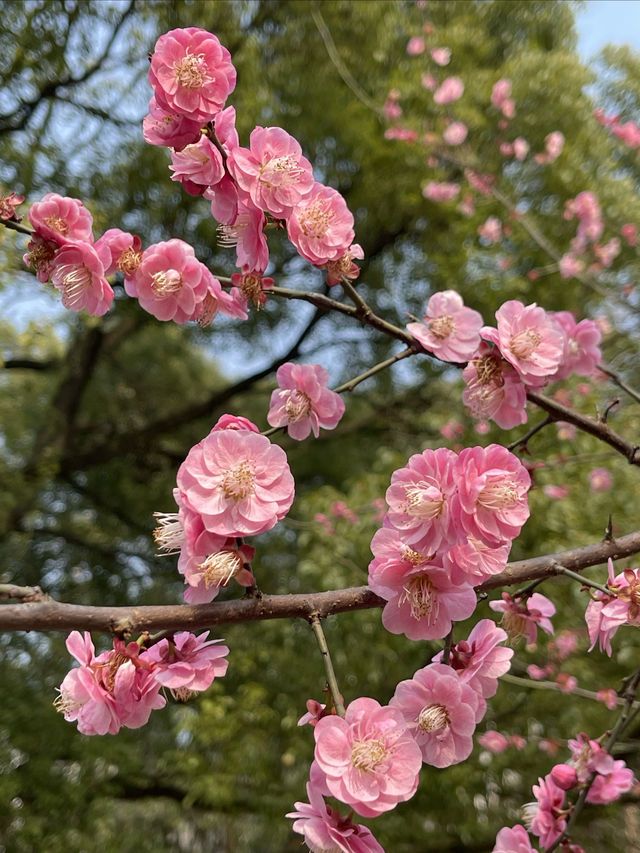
x=303, y=401
x=122, y=686
x=606, y=613
x=449, y=330
x=450, y=524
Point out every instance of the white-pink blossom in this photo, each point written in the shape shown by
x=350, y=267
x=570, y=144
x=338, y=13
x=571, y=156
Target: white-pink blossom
x=600, y=480
x=303, y=402
x=441, y=55
x=321, y=225
x=448, y=91
x=415, y=46
x=449, y=330
x=455, y=133
x=582, y=351
x=440, y=191
x=197, y=166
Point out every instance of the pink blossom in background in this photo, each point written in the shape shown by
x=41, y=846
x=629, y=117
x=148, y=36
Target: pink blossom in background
x=586, y=208
x=171, y=282
x=588, y=756
x=491, y=230
x=238, y=482
x=608, y=697
x=325, y=830
x=321, y=518
x=521, y=618
x=191, y=73
x=404, y=134
x=629, y=133
x=539, y=673
x=251, y=286
x=440, y=191
x=600, y=480
x=391, y=109
x=450, y=330
x=630, y=233
x=247, y=235
x=474, y=561
x=197, y=166
x=491, y=502
x=8, y=204
x=168, y=129
x=420, y=498
x=480, y=183
x=494, y=389
x=77, y=271
x=40, y=254
x=344, y=267
x=566, y=432
x=556, y=493
x=548, y=820
x=529, y=339
x=520, y=148
x=273, y=171
x=566, y=682
x=501, y=90
x=340, y=510
x=451, y=430
x=366, y=759
x=467, y=206
x=569, y=266
x=235, y=422
x=187, y=664
x=217, y=300
x=582, y=351
x=429, y=82
x=450, y=90
x=440, y=55
x=609, y=787
x=108, y=691
x=456, y=133
x=564, y=645
x=493, y=741
x=321, y=226
x=303, y=401
x=415, y=46
x=61, y=219
x=480, y=660
x=506, y=149
x=553, y=144
x=440, y=712
x=607, y=252
x=515, y=840
x=517, y=741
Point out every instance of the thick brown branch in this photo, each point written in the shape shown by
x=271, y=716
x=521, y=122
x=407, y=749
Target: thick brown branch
x=56, y=616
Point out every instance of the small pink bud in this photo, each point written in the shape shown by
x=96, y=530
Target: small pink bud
x=564, y=776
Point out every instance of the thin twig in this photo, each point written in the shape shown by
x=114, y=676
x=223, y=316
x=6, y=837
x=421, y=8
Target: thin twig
x=615, y=378
x=521, y=442
x=584, y=581
x=316, y=627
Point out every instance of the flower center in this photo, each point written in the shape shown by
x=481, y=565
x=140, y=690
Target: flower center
x=183, y=694
x=208, y=310
x=420, y=593
x=129, y=261
x=65, y=704
x=411, y=556
x=109, y=670
x=515, y=624
x=169, y=534
x=251, y=288
x=76, y=280
x=497, y=496
x=191, y=71
x=524, y=343
x=424, y=501
x=218, y=569
x=238, y=482
x=315, y=220
x=434, y=718
x=165, y=283
x=367, y=755
x=442, y=327
x=57, y=224
x=280, y=172
x=298, y=406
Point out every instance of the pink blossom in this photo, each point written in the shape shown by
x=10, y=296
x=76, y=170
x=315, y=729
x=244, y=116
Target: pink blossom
x=61, y=219
x=491, y=502
x=539, y=673
x=556, y=493
x=517, y=741
x=586, y=208
x=420, y=498
x=440, y=712
x=450, y=90
x=491, y=230
x=569, y=266
x=218, y=300
x=324, y=829
x=520, y=148
x=515, y=840
x=168, y=129
x=415, y=46
x=303, y=401
x=422, y=600
x=77, y=271
x=529, y=339
x=609, y=787
x=429, y=82
x=500, y=92
x=606, y=613
x=366, y=759
x=124, y=252
x=588, y=756
x=206, y=570
x=456, y=133
x=629, y=133
x=272, y=171
x=452, y=429
x=40, y=255
x=548, y=816
x=197, y=166
x=582, y=351
x=238, y=482
x=321, y=226
x=630, y=233
x=170, y=282
x=391, y=109
x=344, y=267
x=404, y=134
x=187, y=664
x=494, y=389
x=493, y=741
x=105, y=692
x=608, y=697
x=566, y=432
x=440, y=191
x=474, y=561
x=480, y=183
x=480, y=660
x=600, y=480
x=566, y=682
x=191, y=73
x=441, y=55
x=450, y=330
x=467, y=206
x=8, y=204
x=564, y=776
x=341, y=510
x=553, y=144
x=235, y=422
x=321, y=518
x=521, y=617
x=252, y=287
x=246, y=233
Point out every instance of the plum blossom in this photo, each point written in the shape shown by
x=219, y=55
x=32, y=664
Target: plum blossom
x=450, y=330
x=494, y=741
x=450, y=90
x=514, y=840
x=206, y=570
x=246, y=233
x=474, y=561
x=324, y=829
x=569, y=266
x=582, y=352
x=609, y=787
x=272, y=171
x=491, y=230
x=529, y=339
x=480, y=659
x=630, y=233
x=77, y=271
x=187, y=664
x=521, y=617
x=600, y=480
x=40, y=254
x=440, y=712
x=501, y=100
x=197, y=166
x=606, y=613
x=124, y=252
x=61, y=219
x=168, y=129
x=252, y=286
x=553, y=145
x=456, y=133
x=344, y=267
x=441, y=55
x=303, y=401
x=556, y=493
x=107, y=691
x=366, y=759
x=191, y=73
x=321, y=225
x=613, y=776
x=547, y=816
x=8, y=204
x=440, y=191
x=237, y=482
x=171, y=283
x=520, y=148
x=494, y=389
x=415, y=46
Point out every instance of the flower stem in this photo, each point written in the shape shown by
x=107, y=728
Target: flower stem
x=316, y=627
x=576, y=577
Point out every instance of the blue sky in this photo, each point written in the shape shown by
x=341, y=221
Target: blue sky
x=602, y=22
